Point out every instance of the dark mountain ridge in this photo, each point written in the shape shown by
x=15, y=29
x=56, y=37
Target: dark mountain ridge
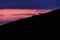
x=39, y=23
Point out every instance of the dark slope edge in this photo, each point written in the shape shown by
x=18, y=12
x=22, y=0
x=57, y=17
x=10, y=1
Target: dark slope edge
x=41, y=23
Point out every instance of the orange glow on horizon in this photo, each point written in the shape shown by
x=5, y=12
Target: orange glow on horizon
x=7, y=13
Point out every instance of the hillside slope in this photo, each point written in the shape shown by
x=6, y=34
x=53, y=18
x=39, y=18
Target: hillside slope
x=47, y=22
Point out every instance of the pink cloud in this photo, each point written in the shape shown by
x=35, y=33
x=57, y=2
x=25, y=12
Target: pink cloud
x=20, y=13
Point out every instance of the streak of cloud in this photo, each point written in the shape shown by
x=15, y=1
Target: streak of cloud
x=1, y=15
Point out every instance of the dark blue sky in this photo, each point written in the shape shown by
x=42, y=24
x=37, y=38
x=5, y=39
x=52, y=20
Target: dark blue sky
x=30, y=4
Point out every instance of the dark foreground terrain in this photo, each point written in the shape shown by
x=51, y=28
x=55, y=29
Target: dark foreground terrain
x=48, y=22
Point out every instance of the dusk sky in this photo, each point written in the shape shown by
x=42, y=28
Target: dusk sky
x=8, y=8
x=30, y=4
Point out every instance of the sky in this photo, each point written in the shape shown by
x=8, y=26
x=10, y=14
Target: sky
x=11, y=10
x=30, y=4
x=8, y=15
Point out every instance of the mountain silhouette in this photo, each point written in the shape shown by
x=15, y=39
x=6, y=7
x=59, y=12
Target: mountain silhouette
x=47, y=22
